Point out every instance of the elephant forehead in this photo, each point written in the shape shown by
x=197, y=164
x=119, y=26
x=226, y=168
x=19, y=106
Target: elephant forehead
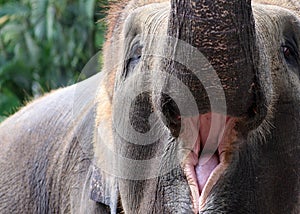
x=276, y=13
x=288, y=4
x=147, y=19
x=120, y=10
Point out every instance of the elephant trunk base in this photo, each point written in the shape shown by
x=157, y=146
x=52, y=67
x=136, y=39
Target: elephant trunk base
x=213, y=137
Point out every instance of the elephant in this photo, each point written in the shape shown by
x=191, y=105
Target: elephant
x=196, y=110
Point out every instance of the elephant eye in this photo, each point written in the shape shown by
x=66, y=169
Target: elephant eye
x=287, y=52
x=134, y=59
x=290, y=54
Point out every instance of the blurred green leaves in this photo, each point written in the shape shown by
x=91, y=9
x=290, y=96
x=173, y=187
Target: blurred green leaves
x=44, y=44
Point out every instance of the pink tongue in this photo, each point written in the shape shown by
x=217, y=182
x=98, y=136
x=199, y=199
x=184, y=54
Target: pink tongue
x=204, y=168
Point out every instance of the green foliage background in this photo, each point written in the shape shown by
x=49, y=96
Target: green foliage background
x=44, y=44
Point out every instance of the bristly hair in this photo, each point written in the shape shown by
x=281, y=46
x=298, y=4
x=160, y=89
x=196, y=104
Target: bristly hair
x=115, y=8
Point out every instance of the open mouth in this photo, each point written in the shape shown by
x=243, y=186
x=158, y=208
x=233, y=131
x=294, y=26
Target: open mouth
x=213, y=136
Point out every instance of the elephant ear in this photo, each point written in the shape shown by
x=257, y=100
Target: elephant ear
x=104, y=189
x=103, y=183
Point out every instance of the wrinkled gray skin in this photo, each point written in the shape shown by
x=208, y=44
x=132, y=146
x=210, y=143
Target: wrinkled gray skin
x=49, y=148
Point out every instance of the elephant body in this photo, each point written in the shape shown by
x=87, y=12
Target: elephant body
x=85, y=149
x=46, y=172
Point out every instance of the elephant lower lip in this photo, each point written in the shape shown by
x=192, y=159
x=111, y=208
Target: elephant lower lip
x=210, y=156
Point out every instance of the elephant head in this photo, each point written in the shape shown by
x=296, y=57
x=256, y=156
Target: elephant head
x=196, y=115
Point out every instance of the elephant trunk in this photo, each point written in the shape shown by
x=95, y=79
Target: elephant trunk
x=224, y=32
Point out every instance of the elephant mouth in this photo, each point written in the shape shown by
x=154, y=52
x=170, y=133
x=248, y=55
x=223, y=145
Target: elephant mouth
x=210, y=156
